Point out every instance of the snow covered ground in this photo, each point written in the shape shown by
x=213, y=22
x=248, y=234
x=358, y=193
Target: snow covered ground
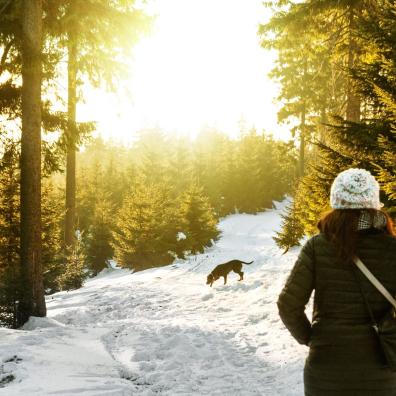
x=164, y=331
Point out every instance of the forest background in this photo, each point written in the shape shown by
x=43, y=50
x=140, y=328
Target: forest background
x=161, y=198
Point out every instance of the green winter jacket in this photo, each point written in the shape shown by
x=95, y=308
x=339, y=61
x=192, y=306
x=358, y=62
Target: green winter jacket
x=344, y=355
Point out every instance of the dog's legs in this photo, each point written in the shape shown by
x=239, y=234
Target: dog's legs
x=240, y=273
x=225, y=279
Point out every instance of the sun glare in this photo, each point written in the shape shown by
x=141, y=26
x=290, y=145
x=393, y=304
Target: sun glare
x=201, y=66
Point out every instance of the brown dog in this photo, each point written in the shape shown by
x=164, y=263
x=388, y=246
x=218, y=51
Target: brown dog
x=224, y=269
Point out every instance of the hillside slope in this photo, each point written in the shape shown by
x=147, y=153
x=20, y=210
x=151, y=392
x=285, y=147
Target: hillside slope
x=164, y=331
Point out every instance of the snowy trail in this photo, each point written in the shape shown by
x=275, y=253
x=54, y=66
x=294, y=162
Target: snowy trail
x=164, y=331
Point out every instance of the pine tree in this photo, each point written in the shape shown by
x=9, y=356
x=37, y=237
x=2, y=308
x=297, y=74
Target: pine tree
x=248, y=173
x=180, y=166
x=103, y=175
x=292, y=230
x=153, y=153
x=304, y=70
x=278, y=165
x=52, y=215
x=346, y=140
x=209, y=164
x=98, y=57
x=9, y=234
x=376, y=81
x=52, y=211
x=198, y=220
x=98, y=246
x=72, y=274
x=32, y=300
x=146, y=231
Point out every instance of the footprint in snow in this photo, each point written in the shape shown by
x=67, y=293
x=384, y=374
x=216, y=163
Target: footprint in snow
x=256, y=318
x=7, y=369
x=222, y=309
x=207, y=297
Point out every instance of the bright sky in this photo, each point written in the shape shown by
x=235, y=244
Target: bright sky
x=201, y=66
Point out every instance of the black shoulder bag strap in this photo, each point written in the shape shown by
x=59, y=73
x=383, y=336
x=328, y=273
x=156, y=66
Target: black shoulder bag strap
x=385, y=327
x=377, y=284
x=374, y=281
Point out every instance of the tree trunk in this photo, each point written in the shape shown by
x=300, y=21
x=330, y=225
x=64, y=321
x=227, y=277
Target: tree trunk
x=70, y=222
x=321, y=129
x=301, y=162
x=353, y=100
x=32, y=294
x=302, y=142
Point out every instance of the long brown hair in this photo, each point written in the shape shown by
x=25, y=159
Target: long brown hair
x=341, y=227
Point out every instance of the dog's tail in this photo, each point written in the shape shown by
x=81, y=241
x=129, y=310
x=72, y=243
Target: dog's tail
x=244, y=262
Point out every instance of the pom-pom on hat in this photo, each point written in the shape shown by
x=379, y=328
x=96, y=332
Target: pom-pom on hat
x=355, y=189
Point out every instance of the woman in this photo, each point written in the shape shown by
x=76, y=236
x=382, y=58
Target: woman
x=344, y=357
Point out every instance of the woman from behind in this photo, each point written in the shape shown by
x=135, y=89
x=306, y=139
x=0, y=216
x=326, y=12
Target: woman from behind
x=345, y=357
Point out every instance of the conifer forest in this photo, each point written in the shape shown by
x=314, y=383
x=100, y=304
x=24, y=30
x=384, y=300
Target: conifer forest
x=74, y=201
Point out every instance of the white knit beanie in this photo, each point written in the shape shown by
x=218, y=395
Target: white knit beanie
x=355, y=189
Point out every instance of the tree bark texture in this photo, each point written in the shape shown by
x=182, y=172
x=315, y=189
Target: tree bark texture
x=302, y=142
x=32, y=301
x=70, y=223
x=301, y=162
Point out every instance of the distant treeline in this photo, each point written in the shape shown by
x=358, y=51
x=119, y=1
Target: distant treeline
x=163, y=197
x=144, y=206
